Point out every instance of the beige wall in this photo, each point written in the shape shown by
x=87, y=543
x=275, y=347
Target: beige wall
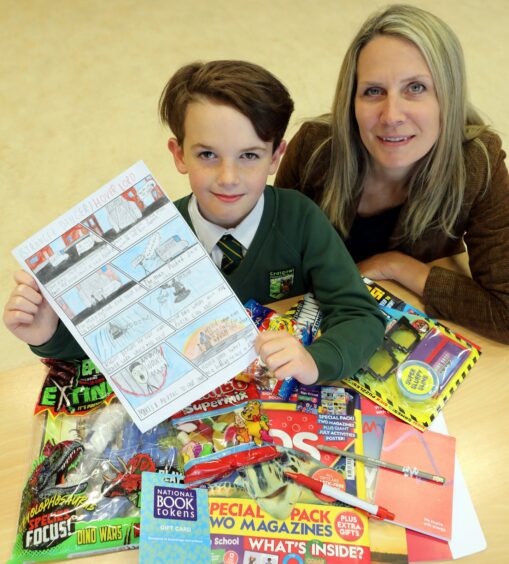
x=80, y=81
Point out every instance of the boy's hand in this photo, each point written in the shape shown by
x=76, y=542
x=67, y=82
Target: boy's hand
x=285, y=357
x=27, y=314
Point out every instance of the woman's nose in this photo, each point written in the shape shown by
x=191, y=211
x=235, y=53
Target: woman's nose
x=392, y=110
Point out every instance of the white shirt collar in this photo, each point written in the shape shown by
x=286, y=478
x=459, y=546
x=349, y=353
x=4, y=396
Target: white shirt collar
x=209, y=233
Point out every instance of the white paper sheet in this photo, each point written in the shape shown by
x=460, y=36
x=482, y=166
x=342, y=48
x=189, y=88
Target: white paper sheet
x=133, y=284
x=467, y=535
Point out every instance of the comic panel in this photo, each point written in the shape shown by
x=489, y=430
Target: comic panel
x=216, y=339
x=98, y=297
x=133, y=214
x=156, y=378
x=124, y=337
x=160, y=255
x=188, y=295
x=61, y=263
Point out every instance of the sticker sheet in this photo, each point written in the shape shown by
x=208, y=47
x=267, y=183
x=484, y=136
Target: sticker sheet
x=130, y=280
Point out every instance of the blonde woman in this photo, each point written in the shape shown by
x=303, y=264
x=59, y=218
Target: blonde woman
x=408, y=173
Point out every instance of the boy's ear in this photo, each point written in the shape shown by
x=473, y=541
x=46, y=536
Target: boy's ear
x=276, y=157
x=178, y=155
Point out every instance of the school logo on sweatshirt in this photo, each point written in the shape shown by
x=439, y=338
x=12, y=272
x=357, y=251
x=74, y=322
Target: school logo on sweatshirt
x=281, y=282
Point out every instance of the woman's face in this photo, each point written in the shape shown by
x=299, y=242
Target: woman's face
x=396, y=106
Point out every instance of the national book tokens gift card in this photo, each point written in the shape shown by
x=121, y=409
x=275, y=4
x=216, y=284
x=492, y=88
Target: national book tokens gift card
x=175, y=524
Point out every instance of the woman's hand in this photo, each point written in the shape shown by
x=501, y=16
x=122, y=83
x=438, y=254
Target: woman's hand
x=286, y=357
x=401, y=268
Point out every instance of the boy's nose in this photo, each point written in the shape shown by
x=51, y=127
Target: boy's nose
x=228, y=174
x=392, y=111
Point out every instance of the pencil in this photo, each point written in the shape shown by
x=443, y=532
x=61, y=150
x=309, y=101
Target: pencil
x=369, y=460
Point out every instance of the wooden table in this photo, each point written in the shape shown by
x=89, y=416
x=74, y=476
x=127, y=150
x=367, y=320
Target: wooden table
x=477, y=415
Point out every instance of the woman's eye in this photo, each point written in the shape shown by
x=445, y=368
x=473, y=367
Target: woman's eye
x=417, y=88
x=373, y=91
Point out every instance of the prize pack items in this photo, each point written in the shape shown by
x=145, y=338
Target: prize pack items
x=416, y=369
x=273, y=491
x=241, y=531
x=216, y=442
x=316, y=415
x=321, y=415
x=82, y=494
x=175, y=523
x=295, y=323
x=421, y=505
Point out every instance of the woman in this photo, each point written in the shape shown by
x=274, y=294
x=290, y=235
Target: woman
x=406, y=170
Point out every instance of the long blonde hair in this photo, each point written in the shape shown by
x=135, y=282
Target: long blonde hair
x=437, y=184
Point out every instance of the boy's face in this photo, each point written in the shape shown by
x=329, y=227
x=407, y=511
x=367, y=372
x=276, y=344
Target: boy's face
x=227, y=162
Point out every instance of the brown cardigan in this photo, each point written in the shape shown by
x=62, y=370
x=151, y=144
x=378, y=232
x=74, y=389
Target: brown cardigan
x=480, y=303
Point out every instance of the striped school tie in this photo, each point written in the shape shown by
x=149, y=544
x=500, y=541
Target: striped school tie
x=232, y=253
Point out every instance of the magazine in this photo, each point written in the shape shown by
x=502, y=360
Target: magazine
x=241, y=532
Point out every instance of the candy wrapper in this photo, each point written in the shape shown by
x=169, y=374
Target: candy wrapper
x=82, y=494
x=216, y=442
x=267, y=319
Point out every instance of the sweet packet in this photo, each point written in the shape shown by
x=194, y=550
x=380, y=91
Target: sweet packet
x=215, y=442
x=266, y=319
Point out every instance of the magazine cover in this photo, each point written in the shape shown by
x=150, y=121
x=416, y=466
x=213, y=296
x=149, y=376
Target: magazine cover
x=243, y=533
x=318, y=416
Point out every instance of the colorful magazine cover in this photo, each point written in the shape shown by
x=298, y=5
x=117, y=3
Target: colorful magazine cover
x=243, y=533
x=317, y=416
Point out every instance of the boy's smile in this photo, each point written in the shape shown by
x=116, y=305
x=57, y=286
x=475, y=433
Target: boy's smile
x=227, y=162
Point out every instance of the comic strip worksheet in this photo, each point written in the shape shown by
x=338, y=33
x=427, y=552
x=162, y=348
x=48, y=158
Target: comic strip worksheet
x=130, y=280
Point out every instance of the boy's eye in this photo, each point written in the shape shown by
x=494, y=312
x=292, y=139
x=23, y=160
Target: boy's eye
x=416, y=88
x=250, y=156
x=206, y=155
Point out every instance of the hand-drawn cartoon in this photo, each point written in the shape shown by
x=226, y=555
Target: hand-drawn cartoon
x=145, y=376
x=216, y=333
x=122, y=213
x=121, y=332
x=149, y=255
x=180, y=292
x=98, y=287
x=171, y=248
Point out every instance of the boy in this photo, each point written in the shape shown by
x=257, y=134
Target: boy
x=229, y=118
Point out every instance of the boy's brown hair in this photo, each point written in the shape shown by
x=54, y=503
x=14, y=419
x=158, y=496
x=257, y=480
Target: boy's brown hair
x=249, y=88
